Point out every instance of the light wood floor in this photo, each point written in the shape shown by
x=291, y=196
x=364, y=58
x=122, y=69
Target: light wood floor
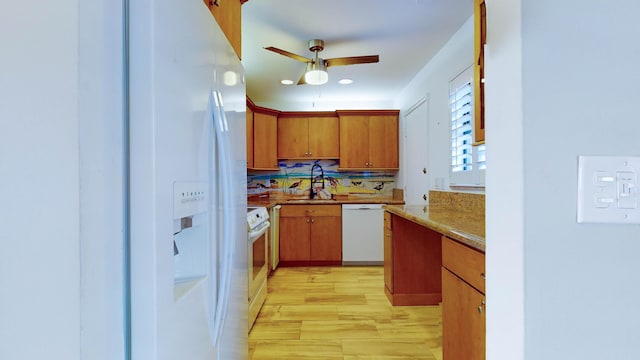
x=341, y=313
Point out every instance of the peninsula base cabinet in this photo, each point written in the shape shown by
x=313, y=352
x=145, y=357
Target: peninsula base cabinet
x=310, y=235
x=412, y=262
x=463, y=302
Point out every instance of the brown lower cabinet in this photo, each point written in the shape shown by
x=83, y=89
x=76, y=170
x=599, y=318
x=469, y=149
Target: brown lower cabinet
x=463, y=302
x=310, y=235
x=412, y=263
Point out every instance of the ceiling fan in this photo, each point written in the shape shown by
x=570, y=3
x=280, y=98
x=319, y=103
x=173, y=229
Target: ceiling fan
x=316, y=72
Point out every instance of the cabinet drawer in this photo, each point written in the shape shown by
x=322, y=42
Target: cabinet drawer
x=387, y=220
x=465, y=262
x=310, y=210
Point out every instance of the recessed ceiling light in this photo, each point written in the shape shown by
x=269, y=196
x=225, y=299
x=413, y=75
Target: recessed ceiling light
x=345, y=81
x=286, y=82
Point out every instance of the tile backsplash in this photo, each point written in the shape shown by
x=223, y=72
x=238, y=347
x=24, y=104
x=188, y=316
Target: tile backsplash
x=294, y=180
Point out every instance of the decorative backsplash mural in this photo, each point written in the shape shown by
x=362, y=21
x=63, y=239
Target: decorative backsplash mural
x=295, y=179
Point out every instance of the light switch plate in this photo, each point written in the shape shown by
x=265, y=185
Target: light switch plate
x=608, y=189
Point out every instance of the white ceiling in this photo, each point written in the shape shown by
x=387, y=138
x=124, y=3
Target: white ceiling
x=405, y=33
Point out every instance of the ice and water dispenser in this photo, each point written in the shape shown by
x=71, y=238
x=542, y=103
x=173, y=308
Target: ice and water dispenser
x=191, y=234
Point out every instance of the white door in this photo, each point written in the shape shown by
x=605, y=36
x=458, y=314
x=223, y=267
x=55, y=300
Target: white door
x=416, y=190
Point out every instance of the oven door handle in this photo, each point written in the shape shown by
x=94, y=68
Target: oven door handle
x=255, y=234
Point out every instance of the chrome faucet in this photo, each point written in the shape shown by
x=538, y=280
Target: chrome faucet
x=315, y=180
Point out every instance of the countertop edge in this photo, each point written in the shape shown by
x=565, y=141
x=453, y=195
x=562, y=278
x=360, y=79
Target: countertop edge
x=273, y=202
x=471, y=240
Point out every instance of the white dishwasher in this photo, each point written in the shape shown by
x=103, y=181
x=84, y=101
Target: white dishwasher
x=362, y=234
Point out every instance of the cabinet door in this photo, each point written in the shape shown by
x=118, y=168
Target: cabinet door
x=324, y=137
x=480, y=38
x=467, y=263
x=249, y=138
x=463, y=320
x=293, y=138
x=354, y=141
x=228, y=16
x=326, y=238
x=265, y=129
x=383, y=142
x=294, y=238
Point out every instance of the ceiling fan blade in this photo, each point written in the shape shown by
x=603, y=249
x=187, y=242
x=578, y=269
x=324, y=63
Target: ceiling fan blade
x=352, y=60
x=302, y=81
x=288, y=54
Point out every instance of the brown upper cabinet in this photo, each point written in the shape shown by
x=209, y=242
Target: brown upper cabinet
x=228, y=15
x=369, y=139
x=263, y=131
x=303, y=135
x=480, y=38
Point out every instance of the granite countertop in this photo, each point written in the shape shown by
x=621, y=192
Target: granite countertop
x=468, y=230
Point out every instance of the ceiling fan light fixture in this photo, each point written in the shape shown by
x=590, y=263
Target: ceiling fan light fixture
x=316, y=73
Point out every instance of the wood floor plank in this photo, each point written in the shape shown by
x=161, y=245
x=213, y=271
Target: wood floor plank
x=274, y=330
x=280, y=298
x=298, y=312
x=386, y=349
x=339, y=329
x=295, y=350
x=404, y=329
x=378, y=313
x=303, y=288
x=338, y=299
x=360, y=287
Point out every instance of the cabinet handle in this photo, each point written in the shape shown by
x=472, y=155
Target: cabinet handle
x=309, y=211
x=312, y=221
x=370, y=164
x=481, y=307
x=366, y=164
x=307, y=221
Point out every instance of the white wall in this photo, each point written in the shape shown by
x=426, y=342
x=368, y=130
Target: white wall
x=327, y=105
x=58, y=127
x=578, y=83
x=40, y=257
x=504, y=205
x=433, y=81
x=100, y=83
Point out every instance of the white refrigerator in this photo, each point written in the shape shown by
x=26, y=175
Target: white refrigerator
x=187, y=210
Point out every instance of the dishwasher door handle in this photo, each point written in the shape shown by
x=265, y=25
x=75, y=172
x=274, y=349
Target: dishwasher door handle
x=362, y=207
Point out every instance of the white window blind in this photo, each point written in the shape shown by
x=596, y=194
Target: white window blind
x=461, y=105
x=468, y=162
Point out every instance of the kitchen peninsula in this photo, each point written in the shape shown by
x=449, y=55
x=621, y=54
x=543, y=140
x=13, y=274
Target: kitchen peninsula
x=435, y=254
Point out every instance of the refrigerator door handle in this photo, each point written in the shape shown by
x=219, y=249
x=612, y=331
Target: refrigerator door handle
x=220, y=129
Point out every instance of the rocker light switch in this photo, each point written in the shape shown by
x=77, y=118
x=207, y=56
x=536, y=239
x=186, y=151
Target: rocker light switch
x=608, y=189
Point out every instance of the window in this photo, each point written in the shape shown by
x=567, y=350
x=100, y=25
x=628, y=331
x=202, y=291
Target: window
x=468, y=162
